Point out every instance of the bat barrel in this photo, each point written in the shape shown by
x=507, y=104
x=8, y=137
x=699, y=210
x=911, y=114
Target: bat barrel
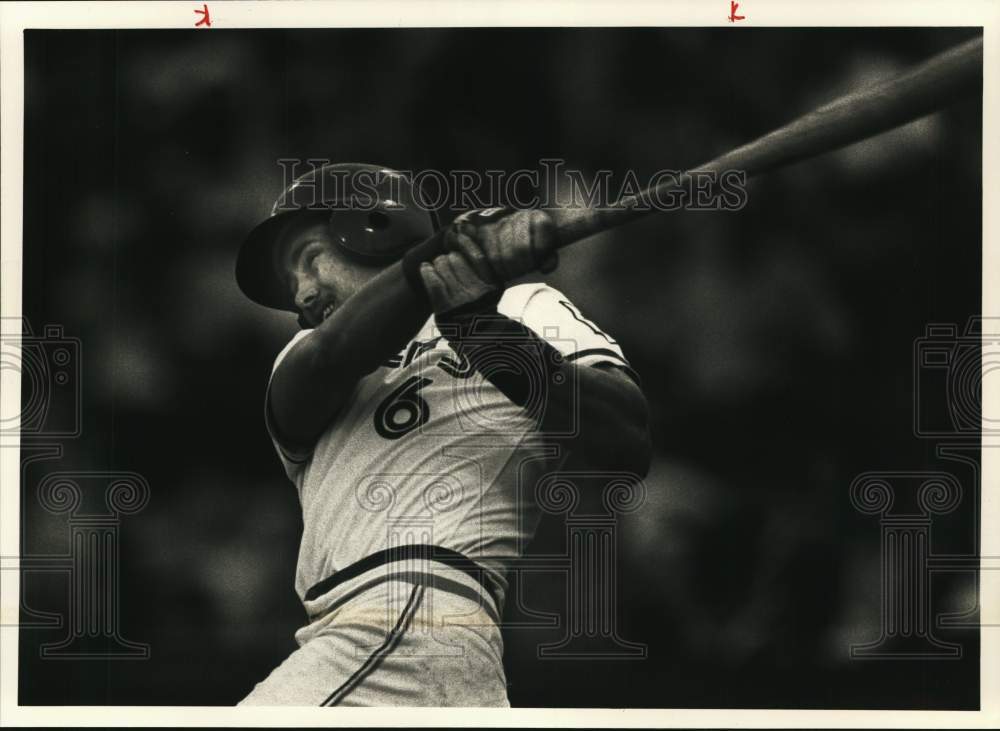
x=856, y=116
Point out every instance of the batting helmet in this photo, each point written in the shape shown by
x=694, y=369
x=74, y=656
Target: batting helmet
x=372, y=213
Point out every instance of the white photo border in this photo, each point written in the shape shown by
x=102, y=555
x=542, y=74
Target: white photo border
x=228, y=14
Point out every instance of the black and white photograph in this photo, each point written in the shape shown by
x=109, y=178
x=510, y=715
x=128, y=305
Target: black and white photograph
x=496, y=360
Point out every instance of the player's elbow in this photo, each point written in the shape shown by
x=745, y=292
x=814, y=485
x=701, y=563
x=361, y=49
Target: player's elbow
x=623, y=447
x=620, y=440
x=645, y=458
x=632, y=443
x=642, y=452
x=633, y=448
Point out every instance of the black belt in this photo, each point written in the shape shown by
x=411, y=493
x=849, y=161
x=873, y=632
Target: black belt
x=418, y=551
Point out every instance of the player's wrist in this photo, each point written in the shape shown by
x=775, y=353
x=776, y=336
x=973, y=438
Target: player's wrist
x=413, y=259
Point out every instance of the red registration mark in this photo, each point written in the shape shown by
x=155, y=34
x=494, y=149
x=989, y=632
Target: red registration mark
x=206, y=19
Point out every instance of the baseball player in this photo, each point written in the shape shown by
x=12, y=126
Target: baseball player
x=415, y=412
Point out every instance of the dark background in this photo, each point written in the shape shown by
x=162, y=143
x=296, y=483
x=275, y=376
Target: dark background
x=776, y=344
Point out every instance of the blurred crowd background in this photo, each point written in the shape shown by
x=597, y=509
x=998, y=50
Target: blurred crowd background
x=776, y=344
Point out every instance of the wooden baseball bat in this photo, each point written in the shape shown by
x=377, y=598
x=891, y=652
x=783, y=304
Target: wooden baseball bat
x=851, y=118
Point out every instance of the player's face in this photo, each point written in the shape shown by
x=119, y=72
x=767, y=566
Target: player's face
x=320, y=278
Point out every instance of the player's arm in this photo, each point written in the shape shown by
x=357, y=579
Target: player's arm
x=315, y=378
x=464, y=286
x=612, y=418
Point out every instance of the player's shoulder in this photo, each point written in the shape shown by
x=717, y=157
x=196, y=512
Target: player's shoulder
x=515, y=299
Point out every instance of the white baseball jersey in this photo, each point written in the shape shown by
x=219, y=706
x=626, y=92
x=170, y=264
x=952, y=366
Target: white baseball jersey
x=426, y=450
